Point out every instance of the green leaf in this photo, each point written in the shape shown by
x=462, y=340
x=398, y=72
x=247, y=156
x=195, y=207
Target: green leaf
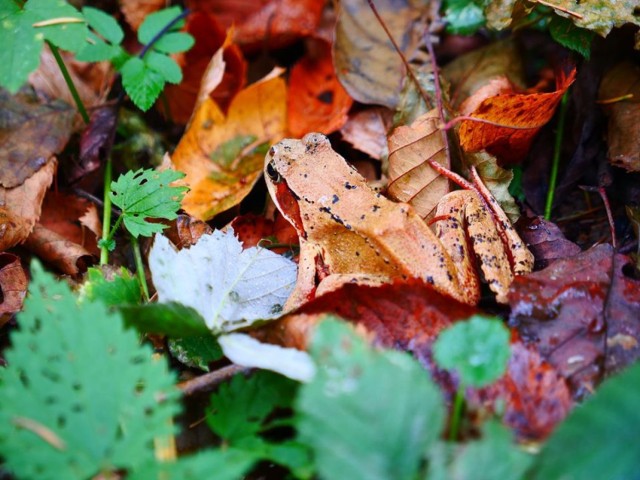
x=174, y=42
x=599, y=439
x=104, y=24
x=495, y=455
x=240, y=407
x=463, y=17
x=165, y=66
x=367, y=414
x=22, y=42
x=154, y=23
x=97, y=50
x=477, y=349
x=564, y=32
x=147, y=194
x=196, y=351
x=120, y=288
x=141, y=82
x=171, y=319
x=227, y=464
x=80, y=395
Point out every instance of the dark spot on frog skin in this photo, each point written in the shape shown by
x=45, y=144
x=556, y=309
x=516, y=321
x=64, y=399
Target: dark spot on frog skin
x=272, y=151
x=335, y=217
x=348, y=186
x=429, y=280
x=376, y=208
x=357, y=254
x=362, y=216
x=335, y=199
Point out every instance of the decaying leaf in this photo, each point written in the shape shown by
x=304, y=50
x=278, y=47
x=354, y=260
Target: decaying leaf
x=514, y=119
x=30, y=134
x=366, y=62
x=316, y=102
x=620, y=94
x=13, y=285
x=228, y=286
x=411, y=179
x=222, y=155
x=67, y=256
x=367, y=131
x=582, y=313
x=546, y=242
x=20, y=206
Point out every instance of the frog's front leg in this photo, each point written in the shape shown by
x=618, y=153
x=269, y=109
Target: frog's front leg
x=306, y=282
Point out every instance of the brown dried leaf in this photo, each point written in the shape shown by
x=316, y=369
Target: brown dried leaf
x=135, y=11
x=623, y=130
x=411, y=179
x=185, y=231
x=20, y=206
x=547, y=242
x=67, y=256
x=582, y=313
x=367, y=131
x=30, y=134
x=13, y=285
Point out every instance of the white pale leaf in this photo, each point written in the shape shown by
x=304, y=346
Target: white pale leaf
x=246, y=351
x=231, y=288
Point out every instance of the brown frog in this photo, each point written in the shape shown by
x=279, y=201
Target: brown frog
x=349, y=232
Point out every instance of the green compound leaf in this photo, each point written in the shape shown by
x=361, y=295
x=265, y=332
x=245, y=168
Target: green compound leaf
x=105, y=25
x=147, y=194
x=154, y=23
x=165, y=66
x=80, y=395
x=141, y=82
x=22, y=42
x=568, y=35
x=477, y=349
x=240, y=407
x=121, y=288
x=174, y=42
x=367, y=413
x=104, y=40
x=599, y=439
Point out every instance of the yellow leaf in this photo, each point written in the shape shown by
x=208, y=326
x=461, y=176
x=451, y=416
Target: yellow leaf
x=222, y=155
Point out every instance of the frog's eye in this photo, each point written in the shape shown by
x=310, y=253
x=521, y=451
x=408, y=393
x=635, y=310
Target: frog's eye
x=273, y=173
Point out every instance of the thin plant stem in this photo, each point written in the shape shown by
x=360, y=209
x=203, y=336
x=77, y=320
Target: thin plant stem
x=553, y=177
x=137, y=255
x=456, y=414
x=106, y=212
x=69, y=82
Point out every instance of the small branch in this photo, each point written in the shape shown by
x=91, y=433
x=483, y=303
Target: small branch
x=553, y=176
x=69, y=82
x=211, y=380
x=137, y=255
x=559, y=8
x=106, y=211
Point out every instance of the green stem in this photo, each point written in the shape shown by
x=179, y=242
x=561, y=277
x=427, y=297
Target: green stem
x=69, y=82
x=137, y=255
x=106, y=213
x=553, y=177
x=456, y=414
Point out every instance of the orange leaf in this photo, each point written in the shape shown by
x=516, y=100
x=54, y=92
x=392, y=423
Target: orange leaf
x=13, y=283
x=317, y=102
x=222, y=155
x=210, y=37
x=520, y=117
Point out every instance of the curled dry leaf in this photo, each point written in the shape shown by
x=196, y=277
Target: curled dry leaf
x=367, y=131
x=13, y=285
x=222, y=155
x=582, y=313
x=411, y=178
x=514, y=119
x=67, y=256
x=21, y=206
x=185, y=231
x=210, y=38
x=271, y=23
x=547, y=242
x=623, y=130
x=367, y=64
x=30, y=134
x=95, y=140
x=316, y=102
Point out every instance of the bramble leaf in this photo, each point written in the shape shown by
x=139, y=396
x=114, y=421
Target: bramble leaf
x=80, y=396
x=147, y=194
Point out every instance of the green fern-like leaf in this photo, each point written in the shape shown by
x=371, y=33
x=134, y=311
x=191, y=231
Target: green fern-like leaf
x=80, y=395
x=147, y=194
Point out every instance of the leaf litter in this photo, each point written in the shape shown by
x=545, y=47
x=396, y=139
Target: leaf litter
x=573, y=321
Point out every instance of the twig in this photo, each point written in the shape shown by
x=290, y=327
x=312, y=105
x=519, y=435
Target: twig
x=209, y=381
x=559, y=8
x=607, y=207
